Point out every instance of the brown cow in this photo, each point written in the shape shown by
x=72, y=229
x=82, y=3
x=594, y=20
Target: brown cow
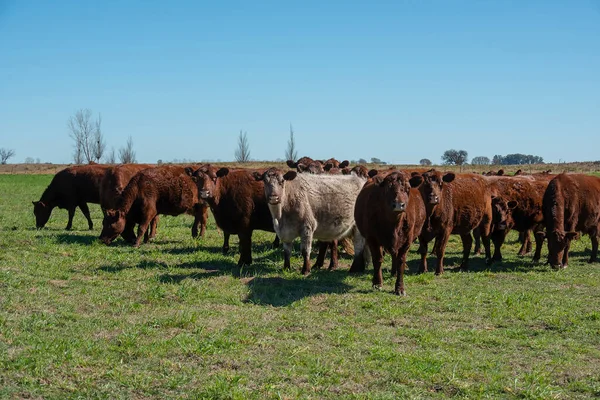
x=390, y=214
x=237, y=202
x=167, y=190
x=517, y=204
x=307, y=164
x=455, y=204
x=70, y=188
x=571, y=205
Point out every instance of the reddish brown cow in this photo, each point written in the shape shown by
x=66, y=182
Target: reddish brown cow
x=571, y=205
x=306, y=164
x=390, y=213
x=455, y=204
x=70, y=188
x=167, y=190
x=237, y=202
x=517, y=204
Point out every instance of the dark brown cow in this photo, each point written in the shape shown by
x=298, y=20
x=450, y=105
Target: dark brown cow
x=571, y=205
x=167, y=190
x=70, y=188
x=517, y=204
x=237, y=202
x=455, y=204
x=389, y=213
x=307, y=164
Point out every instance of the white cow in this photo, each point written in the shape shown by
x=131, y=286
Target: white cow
x=311, y=207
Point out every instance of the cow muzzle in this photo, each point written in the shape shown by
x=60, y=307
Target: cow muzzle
x=434, y=199
x=274, y=200
x=398, y=206
x=205, y=194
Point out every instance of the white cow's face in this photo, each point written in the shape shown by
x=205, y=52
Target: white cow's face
x=274, y=180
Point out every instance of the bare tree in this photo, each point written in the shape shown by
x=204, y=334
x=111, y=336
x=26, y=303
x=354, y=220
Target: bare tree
x=111, y=158
x=242, y=153
x=29, y=160
x=291, y=153
x=5, y=154
x=87, y=134
x=126, y=154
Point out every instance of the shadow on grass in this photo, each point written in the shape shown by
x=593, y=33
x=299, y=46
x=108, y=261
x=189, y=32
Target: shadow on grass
x=281, y=292
x=76, y=238
x=177, y=278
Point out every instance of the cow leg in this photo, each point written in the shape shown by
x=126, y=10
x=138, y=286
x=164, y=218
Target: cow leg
x=306, y=243
x=525, y=239
x=86, y=213
x=71, y=215
x=322, y=253
x=594, y=256
x=287, y=252
x=467, y=242
x=565, y=256
x=477, y=237
x=200, y=217
x=423, y=253
x=498, y=238
x=143, y=229
x=377, y=257
x=153, y=226
x=440, y=250
x=225, y=248
x=333, y=264
x=276, y=242
x=401, y=261
x=245, y=248
x=128, y=233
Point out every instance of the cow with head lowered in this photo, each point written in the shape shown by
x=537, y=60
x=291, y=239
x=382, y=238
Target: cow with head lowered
x=455, y=204
x=389, y=214
x=311, y=207
x=70, y=188
x=571, y=205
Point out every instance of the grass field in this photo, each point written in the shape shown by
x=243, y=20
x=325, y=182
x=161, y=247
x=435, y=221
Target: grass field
x=176, y=319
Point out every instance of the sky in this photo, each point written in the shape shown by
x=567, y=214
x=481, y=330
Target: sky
x=396, y=80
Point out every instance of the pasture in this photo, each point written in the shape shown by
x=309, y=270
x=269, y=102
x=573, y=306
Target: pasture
x=177, y=319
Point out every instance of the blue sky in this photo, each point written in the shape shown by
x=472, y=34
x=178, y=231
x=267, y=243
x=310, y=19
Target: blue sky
x=396, y=80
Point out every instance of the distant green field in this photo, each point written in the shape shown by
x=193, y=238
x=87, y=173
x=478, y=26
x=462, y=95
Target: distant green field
x=176, y=319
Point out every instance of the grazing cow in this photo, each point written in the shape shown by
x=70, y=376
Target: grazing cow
x=454, y=204
x=237, y=202
x=310, y=206
x=390, y=214
x=167, y=190
x=517, y=204
x=571, y=205
x=70, y=188
x=333, y=166
x=307, y=164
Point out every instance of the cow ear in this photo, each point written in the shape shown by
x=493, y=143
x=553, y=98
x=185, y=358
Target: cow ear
x=512, y=204
x=257, y=176
x=372, y=173
x=344, y=164
x=346, y=171
x=415, y=181
x=222, y=172
x=290, y=175
x=328, y=166
x=500, y=172
x=189, y=171
x=572, y=235
x=291, y=164
x=519, y=172
x=449, y=177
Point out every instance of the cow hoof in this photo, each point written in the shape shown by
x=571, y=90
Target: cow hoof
x=400, y=293
x=377, y=287
x=592, y=260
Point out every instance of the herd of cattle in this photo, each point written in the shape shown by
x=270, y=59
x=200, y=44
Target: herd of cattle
x=381, y=210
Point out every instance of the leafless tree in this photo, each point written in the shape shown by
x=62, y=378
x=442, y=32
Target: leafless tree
x=111, y=158
x=29, y=160
x=87, y=134
x=126, y=154
x=291, y=153
x=242, y=153
x=5, y=154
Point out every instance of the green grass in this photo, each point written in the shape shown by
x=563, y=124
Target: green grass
x=176, y=319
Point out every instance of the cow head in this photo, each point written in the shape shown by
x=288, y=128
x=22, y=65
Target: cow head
x=359, y=170
x=42, y=213
x=274, y=180
x=396, y=189
x=113, y=225
x=433, y=182
x=314, y=167
x=205, y=178
x=557, y=244
x=502, y=213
